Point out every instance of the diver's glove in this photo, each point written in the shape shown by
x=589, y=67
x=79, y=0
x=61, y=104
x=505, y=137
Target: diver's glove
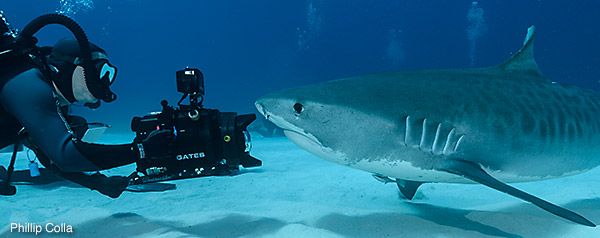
x=159, y=143
x=111, y=186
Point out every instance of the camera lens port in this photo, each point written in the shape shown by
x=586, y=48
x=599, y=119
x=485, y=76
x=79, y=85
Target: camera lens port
x=247, y=141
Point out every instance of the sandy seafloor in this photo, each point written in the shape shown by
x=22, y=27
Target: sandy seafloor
x=295, y=194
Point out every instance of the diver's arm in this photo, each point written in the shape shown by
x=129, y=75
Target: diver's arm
x=29, y=99
x=107, y=156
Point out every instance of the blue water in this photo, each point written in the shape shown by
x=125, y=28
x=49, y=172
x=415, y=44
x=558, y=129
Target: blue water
x=250, y=48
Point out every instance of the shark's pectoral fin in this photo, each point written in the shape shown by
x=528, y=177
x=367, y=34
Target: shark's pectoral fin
x=476, y=173
x=408, y=188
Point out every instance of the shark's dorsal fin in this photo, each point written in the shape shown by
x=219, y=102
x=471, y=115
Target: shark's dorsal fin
x=523, y=60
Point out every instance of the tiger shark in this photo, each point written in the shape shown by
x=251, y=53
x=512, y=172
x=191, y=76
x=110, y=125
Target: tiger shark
x=495, y=125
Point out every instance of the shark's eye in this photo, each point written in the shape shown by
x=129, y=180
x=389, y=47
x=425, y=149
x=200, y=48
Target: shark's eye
x=298, y=108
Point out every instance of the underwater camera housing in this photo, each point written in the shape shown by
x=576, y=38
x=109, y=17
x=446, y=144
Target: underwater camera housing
x=207, y=142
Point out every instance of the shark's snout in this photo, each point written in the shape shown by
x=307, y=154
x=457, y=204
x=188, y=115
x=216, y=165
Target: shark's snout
x=274, y=110
x=259, y=104
x=260, y=107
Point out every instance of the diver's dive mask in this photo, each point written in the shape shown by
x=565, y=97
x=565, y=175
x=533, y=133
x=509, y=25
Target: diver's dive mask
x=106, y=71
x=65, y=57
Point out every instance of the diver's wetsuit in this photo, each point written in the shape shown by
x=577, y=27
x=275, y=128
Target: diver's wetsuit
x=27, y=100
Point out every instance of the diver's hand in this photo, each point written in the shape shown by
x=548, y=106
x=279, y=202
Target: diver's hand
x=159, y=143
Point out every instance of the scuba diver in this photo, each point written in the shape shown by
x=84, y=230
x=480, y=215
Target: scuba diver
x=37, y=85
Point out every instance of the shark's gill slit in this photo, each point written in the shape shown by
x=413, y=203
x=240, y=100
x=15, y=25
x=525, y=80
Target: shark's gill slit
x=449, y=142
x=414, y=130
x=408, y=131
x=403, y=127
x=422, y=142
x=436, y=141
x=428, y=137
x=458, y=142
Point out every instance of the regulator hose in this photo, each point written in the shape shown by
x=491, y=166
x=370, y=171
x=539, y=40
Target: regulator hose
x=89, y=70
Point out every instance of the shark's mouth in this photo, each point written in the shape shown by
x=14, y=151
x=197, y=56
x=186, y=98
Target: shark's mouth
x=315, y=147
x=301, y=139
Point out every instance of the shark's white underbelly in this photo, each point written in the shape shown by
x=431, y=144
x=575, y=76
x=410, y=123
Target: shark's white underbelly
x=394, y=168
x=405, y=170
